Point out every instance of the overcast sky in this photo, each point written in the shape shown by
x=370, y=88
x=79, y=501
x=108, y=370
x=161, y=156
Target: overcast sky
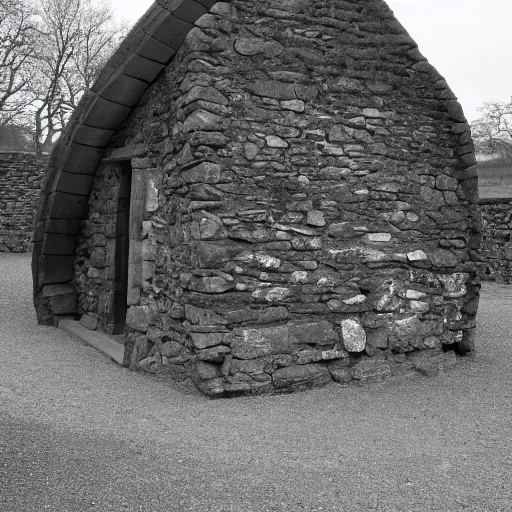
x=468, y=41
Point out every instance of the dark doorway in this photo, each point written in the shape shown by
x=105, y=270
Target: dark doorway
x=122, y=249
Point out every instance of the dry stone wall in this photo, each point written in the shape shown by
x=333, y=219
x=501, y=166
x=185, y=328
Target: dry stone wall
x=95, y=262
x=21, y=176
x=495, y=254
x=311, y=207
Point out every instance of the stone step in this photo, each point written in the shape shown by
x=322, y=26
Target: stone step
x=99, y=340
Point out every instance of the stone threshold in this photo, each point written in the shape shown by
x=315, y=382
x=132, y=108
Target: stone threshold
x=99, y=340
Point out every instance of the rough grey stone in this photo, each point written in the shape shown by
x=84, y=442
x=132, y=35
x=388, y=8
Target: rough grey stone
x=294, y=105
x=315, y=218
x=204, y=93
x=370, y=369
x=418, y=255
x=214, y=354
x=138, y=318
x=201, y=316
x=275, y=294
x=207, y=371
x=206, y=172
x=89, y=322
x=444, y=182
x=301, y=377
x=404, y=330
x=379, y=237
x=171, y=349
x=354, y=336
x=250, y=343
x=251, y=150
x=201, y=120
x=202, y=340
x=320, y=332
x=213, y=285
x=443, y=258
x=205, y=192
x=273, y=89
x=211, y=227
x=333, y=173
x=255, y=46
x=346, y=229
x=276, y=142
x=261, y=316
x=340, y=374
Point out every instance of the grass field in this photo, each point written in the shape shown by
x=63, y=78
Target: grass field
x=495, y=180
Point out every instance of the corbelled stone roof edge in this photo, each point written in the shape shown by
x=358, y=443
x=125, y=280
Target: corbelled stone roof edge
x=444, y=92
x=134, y=67
x=453, y=106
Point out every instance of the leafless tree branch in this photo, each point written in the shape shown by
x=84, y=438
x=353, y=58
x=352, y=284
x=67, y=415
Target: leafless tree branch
x=492, y=133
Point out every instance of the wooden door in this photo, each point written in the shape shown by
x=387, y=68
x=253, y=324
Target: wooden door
x=122, y=250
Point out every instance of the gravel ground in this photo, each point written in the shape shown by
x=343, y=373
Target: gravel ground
x=79, y=433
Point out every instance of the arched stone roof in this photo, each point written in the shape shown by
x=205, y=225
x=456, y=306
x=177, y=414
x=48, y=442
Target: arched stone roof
x=134, y=67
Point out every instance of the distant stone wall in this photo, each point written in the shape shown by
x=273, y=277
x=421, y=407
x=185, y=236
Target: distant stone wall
x=21, y=176
x=496, y=250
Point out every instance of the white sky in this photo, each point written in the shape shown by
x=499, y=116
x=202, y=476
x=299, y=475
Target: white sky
x=468, y=41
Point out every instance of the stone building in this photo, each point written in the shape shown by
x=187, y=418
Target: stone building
x=265, y=196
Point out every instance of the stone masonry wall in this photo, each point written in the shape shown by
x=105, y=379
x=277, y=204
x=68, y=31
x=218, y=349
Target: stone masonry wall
x=315, y=215
x=94, y=265
x=21, y=176
x=495, y=254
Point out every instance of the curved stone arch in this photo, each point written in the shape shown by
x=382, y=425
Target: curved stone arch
x=146, y=52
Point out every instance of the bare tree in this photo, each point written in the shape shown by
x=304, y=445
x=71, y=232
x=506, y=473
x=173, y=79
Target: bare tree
x=17, y=43
x=51, y=52
x=492, y=133
x=100, y=35
x=76, y=39
x=59, y=34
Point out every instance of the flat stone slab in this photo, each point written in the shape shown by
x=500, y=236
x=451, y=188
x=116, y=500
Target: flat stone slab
x=99, y=340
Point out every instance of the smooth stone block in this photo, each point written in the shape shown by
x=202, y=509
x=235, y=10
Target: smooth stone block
x=125, y=90
x=172, y=31
x=142, y=68
x=301, y=377
x=90, y=136
x=152, y=49
x=68, y=206
x=55, y=269
x=83, y=159
x=60, y=245
x=79, y=184
x=106, y=114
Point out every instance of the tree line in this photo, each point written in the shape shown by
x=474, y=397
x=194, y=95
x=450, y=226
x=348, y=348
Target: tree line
x=51, y=51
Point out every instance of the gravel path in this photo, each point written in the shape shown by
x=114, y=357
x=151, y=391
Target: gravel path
x=78, y=433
